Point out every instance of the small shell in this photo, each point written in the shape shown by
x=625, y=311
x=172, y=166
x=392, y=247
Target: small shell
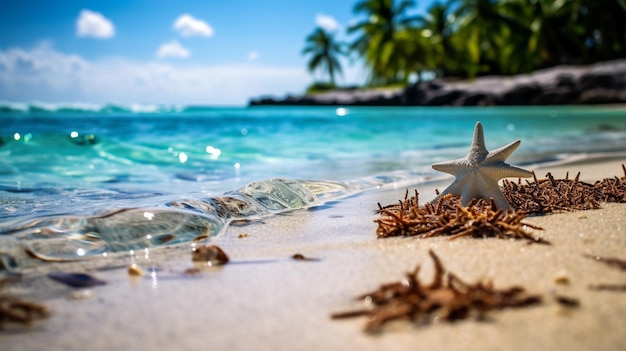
x=211, y=254
x=192, y=272
x=134, y=270
x=301, y=257
x=561, y=277
x=75, y=280
x=81, y=294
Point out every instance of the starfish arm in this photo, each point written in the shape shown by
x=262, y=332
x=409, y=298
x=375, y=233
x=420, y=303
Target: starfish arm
x=501, y=202
x=453, y=189
x=489, y=189
x=505, y=170
x=468, y=193
x=451, y=167
x=501, y=154
x=478, y=150
x=474, y=185
x=496, y=194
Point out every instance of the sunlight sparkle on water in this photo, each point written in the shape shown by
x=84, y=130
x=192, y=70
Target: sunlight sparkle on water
x=341, y=111
x=213, y=152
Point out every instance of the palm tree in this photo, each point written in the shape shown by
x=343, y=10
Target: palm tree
x=470, y=37
x=554, y=35
x=604, y=24
x=436, y=26
x=487, y=33
x=324, y=51
x=381, y=39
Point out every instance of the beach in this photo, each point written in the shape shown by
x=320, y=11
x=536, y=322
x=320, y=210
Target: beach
x=198, y=187
x=264, y=299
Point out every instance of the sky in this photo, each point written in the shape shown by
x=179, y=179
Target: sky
x=196, y=52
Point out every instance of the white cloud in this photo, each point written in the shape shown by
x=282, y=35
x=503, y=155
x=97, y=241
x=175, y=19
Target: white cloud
x=45, y=74
x=326, y=22
x=253, y=56
x=172, y=49
x=94, y=25
x=189, y=26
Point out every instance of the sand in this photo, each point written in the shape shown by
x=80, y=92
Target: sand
x=264, y=300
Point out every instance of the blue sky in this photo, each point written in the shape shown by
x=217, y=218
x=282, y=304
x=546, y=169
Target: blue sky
x=168, y=52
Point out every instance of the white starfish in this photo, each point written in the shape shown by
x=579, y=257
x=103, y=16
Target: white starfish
x=478, y=173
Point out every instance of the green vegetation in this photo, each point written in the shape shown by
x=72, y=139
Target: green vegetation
x=324, y=51
x=320, y=87
x=467, y=38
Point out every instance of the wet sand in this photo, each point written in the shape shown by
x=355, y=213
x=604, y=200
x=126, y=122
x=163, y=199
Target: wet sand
x=265, y=300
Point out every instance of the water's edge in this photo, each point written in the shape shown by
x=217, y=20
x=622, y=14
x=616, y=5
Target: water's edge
x=26, y=243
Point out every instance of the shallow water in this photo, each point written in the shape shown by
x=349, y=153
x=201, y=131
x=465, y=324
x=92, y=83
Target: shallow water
x=184, y=173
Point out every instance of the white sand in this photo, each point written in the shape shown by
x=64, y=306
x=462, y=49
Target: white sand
x=266, y=301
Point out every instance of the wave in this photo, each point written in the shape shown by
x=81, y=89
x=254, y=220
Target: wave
x=68, y=238
x=91, y=108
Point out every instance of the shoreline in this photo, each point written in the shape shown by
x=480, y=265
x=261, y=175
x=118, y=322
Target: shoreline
x=600, y=83
x=265, y=299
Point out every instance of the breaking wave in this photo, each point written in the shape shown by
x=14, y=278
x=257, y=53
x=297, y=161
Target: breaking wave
x=91, y=108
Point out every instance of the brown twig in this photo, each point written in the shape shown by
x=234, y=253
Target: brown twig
x=447, y=217
x=555, y=195
x=446, y=297
x=16, y=310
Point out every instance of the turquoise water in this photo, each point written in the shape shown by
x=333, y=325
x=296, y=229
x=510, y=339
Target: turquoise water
x=74, y=161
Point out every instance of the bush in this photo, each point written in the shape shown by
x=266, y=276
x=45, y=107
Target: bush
x=320, y=87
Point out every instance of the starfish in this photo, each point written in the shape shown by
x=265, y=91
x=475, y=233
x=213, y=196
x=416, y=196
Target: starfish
x=478, y=173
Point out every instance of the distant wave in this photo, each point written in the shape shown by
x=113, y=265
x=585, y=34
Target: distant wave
x=83, y=107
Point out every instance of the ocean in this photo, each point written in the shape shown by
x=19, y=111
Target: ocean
x=80, y=180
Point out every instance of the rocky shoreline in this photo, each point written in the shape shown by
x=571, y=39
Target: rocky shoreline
x=601, y=83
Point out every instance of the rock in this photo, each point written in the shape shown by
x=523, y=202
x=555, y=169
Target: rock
x=602, y=96
x=342, y=97
x=566, y=80
x=475, y=99
x=519, y=95
x=595, y=80
x=600, y=83
x=446, y=98
x=557, y=96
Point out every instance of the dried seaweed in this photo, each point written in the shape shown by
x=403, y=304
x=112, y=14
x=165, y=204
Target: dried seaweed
x=554, y=195
x=16, y=310
x=301, y=257
x=612, y=189
x=567, y=301
x=480, y=219
x=551, y=195
x=611, y=262
x=447, y=298
x=608, y=287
